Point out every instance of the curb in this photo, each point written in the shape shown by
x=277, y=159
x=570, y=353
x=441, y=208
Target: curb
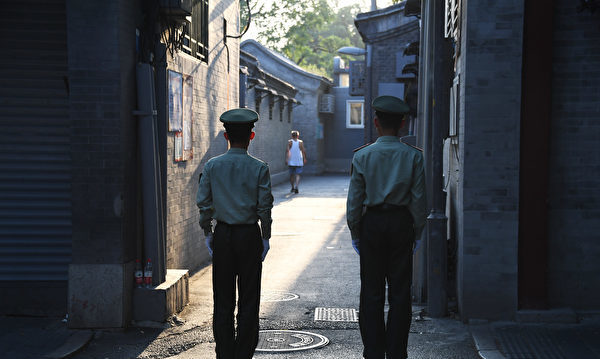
x=74, y=343
x=485, y=342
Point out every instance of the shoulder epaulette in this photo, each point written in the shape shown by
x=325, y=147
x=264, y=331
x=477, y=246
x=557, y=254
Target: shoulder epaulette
x=361, y=147
x=415, y=147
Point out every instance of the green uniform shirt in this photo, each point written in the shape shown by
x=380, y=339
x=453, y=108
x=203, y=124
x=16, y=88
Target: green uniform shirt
x=235, y=188
x=390, y=172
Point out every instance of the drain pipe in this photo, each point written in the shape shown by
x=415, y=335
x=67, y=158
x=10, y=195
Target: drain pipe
x=150, y=173
x=162, y=110
x=439, y=115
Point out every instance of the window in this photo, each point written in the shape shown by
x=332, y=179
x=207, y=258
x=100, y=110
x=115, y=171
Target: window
x=195, y=34
x=452, y=17
x=355, y=114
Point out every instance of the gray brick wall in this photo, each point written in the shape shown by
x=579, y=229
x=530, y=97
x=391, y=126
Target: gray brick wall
x=487, y=193
x=305, y=117
x=574, y=204
x=213, y=95
x=101, y=82
x=384, y=53
x=271, y=138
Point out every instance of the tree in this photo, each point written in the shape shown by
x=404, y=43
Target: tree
x=308, y=32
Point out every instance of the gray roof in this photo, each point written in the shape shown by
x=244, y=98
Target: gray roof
x=282, y=59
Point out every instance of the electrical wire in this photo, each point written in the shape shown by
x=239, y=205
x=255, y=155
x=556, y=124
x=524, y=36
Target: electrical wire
x=227, y=47
x=247, y=24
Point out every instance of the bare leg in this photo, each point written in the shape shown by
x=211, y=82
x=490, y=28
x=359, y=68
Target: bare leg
x=297, y=182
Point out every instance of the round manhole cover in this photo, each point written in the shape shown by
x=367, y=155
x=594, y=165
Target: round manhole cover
x=288, y=341
x=277, y=296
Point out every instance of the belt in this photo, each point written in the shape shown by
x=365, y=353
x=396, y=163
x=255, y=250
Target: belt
x=387, y=207
x=236, y=225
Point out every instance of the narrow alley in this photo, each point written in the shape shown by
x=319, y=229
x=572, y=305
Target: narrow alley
x=311, y=265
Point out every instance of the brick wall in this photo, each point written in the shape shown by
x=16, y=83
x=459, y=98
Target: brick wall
x=215, y=90
x=271, y=137
x=305, y=117
x=101, y=82
x=574, y=214
x=487, y=193
x=385, y=51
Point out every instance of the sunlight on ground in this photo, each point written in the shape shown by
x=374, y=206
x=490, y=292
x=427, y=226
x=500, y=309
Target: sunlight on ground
x=298, y=236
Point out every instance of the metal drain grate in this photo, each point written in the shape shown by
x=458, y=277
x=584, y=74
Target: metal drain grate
x=336, y=314
x=288, y=341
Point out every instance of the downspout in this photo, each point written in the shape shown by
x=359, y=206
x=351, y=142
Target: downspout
x=437, y=220
x=154, y=245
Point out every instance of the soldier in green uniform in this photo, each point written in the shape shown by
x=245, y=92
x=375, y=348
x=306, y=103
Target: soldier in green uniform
x=235, y=190
x=386, y=212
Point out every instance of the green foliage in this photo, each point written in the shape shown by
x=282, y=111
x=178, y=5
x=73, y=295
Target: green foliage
x=309, y=32
x=244, y=14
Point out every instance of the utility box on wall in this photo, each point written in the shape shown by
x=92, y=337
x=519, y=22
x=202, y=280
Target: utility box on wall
x=327, y=104
x=357, y=78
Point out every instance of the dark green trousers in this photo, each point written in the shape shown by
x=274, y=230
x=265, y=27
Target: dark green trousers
x=386, y=244
x=236, y=262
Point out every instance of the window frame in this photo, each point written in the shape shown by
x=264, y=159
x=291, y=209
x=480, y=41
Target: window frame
x=349, y=114
x=195, y=34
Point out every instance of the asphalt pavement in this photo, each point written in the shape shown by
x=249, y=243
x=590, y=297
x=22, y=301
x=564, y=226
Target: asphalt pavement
x=311, y=265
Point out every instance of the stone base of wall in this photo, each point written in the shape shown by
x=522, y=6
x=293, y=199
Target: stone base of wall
x=159, y=303
x=99, y=295
x=279, y=178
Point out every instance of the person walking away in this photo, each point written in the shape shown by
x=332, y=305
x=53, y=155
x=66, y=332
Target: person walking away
x=296, y=159
x=388, y=181
x=235, y=190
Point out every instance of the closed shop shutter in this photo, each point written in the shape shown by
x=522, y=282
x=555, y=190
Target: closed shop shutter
x=35, y=164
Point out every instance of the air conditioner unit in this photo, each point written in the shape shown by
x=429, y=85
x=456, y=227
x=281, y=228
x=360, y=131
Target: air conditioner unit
x=327, y=104
x=176, y=8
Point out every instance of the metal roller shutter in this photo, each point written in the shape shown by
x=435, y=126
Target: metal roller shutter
x=35, y=164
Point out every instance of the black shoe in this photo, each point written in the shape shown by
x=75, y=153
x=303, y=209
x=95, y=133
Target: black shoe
x=292, y=190
x=296, y=190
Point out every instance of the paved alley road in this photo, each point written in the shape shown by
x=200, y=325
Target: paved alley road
x=311, y=257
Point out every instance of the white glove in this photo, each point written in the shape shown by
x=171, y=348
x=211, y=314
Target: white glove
x=355, y=243
x=416, y=245
x=265, y=249
x=209, y=243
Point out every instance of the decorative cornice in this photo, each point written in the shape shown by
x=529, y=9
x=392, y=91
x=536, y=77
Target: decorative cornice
x=284, y=61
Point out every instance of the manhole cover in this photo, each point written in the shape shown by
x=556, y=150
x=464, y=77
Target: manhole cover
x=277, y=296
x=336, y=314
x=288, y=341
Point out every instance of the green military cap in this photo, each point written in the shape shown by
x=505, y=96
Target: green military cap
x=239, y=116
x=390, y=104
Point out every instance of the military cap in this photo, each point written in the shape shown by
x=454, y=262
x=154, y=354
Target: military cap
x=239, y=116
x=390, y=104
